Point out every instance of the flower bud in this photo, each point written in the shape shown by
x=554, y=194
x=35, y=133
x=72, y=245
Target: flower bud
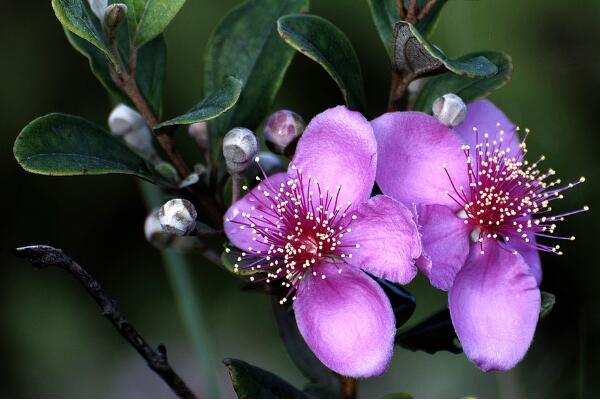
x=450, y=110
x=124, y=119
x=98, y=8
x=239, y=148
x=177, y=217
x=114, y=15
x=199, y=132
x=282, y=131
x=127, y=123
x=154, y=232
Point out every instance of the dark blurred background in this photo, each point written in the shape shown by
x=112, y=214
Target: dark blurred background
x=55, y=343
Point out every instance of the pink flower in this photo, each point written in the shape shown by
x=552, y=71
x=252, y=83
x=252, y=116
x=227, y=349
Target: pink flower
x=316, y=230
x=480, y=207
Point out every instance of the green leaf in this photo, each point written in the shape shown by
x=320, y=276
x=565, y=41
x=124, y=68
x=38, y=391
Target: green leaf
x=414, y=56
x=548, y=301
x=385, y=17
x=323, y=42
x=214, y=105
x=398, y=395
x=434, y=334
x=231, y=258
x=466, y=88
x=148, y=18
x=76, y=16
x=250, y=382
x=246, y=45
x=297, y=348
x=150, y=68
x=60, y=144
x=403, y=303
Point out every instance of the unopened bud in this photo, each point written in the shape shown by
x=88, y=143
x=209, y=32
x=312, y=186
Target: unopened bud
x=450, y=110
x=98, y=8
x=282, y=131
x=124, y=119
x=239, y=148
x=114, y=15
x=199, y=132
x=154, y=231
x=128, y=124
x=178, y=217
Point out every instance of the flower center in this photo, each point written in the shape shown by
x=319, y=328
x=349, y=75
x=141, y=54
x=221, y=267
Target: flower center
x=507, y=197
x=295, y=225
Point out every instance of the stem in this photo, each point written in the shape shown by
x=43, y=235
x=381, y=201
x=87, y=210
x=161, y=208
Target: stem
x=398, y=86
x=400, y=9
x=188, y=303
x=42, y=256
x=410, y=12
x=236, y=181
x=349, y=387
x=426, y=8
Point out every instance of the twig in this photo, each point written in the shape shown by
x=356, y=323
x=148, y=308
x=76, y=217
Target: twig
x=426, y=8
x=410, y=12
x=398, y=86
x=42, y=256
x=400, y=9
x=236, y=182
x=349, y=387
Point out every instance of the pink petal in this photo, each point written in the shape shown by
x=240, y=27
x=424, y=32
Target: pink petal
x=530, y=254
x=494, y=305
x=346, y=320
x=445, y=239
x=338, y=148
x=412, y=150
x=487, y=118
x=255, y=204
x=387, y=237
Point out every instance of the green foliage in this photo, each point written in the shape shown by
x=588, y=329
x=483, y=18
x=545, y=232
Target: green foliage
x=250, y=382
x=148, y=18
x=77, y=17
x=434, y=334
x=413, y=55
x=548, y=301
x=385, y=16
x=326, y=44
x=467, y=88
x=212, y=106
x=246, y=45
x=60, y=144
x=151, y=62
x=231, y=258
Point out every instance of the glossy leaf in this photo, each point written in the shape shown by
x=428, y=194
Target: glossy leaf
x=467, y=88
x=321, y=391
x=211, y=107
x=150, y=68
x=250, y=382
x=414, y=56
x=297, y=348
x=548, y=301
x=148, y=18
x=60, y=144
x=246, y=45
x=323, y=42
x=434, y=334
x=385, y=16
x=403, y=303
x=76, y=16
